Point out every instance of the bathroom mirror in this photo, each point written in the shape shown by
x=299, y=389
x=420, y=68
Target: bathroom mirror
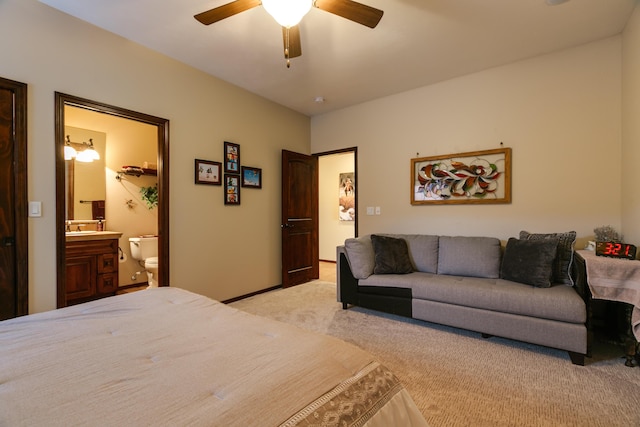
x=160, y=135
x=85, y=182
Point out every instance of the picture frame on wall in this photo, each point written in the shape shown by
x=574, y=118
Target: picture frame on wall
x=347, y=196
x=208, y=172
x=231, y=157
x=251, y=177
x=231, y=189
x=476, y=177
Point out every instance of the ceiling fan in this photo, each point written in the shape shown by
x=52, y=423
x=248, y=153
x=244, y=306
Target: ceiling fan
x=288, y=13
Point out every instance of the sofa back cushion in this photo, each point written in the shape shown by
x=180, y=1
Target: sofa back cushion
x=423, y=250
x=469, y=256
x=361, y=257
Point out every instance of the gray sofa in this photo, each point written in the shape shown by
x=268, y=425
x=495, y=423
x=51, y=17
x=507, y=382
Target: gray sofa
x=523, y=291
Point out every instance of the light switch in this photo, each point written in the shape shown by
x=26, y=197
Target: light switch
x=35, y=209
x=377, y=210
x=369, y=210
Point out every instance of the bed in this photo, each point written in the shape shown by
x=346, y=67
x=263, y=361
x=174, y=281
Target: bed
x=166, y=356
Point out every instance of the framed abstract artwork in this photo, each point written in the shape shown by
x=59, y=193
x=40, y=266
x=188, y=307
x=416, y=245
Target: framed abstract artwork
x=465, y=178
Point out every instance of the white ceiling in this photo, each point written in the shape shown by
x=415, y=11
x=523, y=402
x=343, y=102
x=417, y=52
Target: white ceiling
x=417, y=43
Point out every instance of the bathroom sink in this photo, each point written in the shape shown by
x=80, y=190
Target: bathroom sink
x=80, y=233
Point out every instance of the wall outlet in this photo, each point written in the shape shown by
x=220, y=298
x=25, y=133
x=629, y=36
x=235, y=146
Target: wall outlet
x=377, y=210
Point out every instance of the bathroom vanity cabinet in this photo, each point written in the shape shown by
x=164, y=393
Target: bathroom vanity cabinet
x=91, y=266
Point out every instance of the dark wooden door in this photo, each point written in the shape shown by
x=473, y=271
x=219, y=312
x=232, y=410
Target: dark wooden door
x=299, y=224
x=13, y=200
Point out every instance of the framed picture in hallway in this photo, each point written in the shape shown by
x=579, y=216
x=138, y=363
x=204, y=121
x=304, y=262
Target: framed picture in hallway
x=208, y=172
x=347, y=197
x=231, y=157
x=231, y=189
x=463, y=178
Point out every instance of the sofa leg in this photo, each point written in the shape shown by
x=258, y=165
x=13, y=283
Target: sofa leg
x=486, y=335
x=576, y=358
x=344, y=305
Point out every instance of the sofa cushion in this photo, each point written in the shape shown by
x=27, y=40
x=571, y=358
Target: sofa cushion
x=423, y=251
x=361, y=258
x=469, y=256
x=391, y=255
x=564, y=256
x=529, y=261
x=561, y=303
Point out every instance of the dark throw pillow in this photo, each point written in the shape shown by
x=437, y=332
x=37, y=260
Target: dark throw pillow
x=564, y=257
x=529, y=261
x=391, y=255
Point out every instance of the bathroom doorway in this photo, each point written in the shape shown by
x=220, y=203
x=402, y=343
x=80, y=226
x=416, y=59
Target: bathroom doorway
x=94, y=115
x=338, y=201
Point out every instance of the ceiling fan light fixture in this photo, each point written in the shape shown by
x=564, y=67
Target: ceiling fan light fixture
x=287, y=13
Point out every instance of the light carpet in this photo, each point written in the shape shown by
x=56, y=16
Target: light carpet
x=458, y=378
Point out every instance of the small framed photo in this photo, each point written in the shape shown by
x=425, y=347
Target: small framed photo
x=231, y=157
x=208, y=172
x=231, y=189
x=251, y=177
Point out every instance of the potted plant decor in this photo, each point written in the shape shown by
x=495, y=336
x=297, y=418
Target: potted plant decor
x=150, y=196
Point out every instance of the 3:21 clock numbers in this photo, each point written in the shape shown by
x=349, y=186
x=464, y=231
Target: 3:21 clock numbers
x=616, y=250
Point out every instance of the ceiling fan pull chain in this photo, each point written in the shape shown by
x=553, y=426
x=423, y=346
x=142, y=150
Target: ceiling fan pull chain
x=286, y=49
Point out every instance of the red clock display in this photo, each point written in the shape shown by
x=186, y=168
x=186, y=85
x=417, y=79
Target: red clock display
x=616, y=250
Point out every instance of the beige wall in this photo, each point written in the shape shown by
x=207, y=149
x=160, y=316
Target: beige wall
x=211, y=245
x=631, y=129
x=560, y=113
x=333, y=232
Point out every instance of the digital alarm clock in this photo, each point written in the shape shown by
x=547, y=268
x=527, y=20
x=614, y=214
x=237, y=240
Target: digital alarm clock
x=616, y=250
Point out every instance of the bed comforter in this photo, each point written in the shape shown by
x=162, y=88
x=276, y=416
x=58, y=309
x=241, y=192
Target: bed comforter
x=166, y=356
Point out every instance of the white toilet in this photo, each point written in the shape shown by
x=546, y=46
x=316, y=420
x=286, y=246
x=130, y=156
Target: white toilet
x=145, y=250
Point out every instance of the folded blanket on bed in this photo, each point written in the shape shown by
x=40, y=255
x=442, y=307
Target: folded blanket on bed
x=615, y=280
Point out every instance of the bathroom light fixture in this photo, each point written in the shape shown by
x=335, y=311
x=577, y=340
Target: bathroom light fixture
x=91, y=150
x=287, y=12
x=69, y=151
x=85, y=153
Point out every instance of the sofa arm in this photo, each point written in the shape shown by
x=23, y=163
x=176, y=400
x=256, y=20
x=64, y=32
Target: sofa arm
x=347, y=285
x=579, y=269
x=581, y=286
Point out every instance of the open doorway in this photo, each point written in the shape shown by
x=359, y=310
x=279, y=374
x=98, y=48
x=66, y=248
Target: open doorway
x=338, y=202
x=158, y=127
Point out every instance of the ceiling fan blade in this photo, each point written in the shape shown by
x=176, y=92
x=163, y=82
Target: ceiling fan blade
x=294, y=46
x=225, y=11
x=352, y=11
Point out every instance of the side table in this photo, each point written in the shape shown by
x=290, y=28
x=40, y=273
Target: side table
x=616, y=280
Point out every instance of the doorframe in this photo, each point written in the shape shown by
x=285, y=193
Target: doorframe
x=353, y=150
x=20, y=194
x=61, y=100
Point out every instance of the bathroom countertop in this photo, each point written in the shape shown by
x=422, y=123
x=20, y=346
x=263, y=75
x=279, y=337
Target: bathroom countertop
x=98, y=235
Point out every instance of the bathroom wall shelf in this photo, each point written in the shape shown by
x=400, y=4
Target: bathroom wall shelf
x=136, y=172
